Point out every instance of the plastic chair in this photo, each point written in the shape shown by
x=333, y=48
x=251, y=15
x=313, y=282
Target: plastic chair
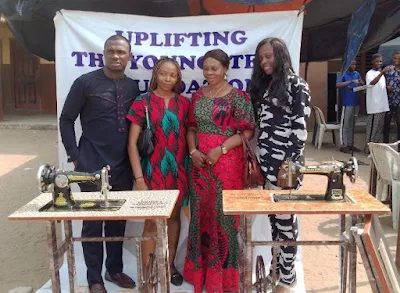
x=316, y=126
x=323, y=126
x=387, y=162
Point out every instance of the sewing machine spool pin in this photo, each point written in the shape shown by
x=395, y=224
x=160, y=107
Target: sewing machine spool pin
x=105, y=185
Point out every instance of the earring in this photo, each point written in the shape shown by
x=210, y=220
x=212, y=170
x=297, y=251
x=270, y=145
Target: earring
x=226, y=76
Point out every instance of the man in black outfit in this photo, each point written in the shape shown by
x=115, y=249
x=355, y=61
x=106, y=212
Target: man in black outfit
x=102, y=99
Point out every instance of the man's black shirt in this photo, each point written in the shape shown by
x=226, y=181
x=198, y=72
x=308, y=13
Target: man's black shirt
x=102, y=104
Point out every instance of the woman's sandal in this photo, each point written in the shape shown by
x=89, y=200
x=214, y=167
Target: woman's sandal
x=176, y=279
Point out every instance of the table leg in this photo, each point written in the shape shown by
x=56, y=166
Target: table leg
x=352, y=257
x=53, y=253
x=242, y=256
x=163, y=255
x=140, y=283
x=275, y=252
x=398, y=246
x=70, y=255
x=343, y=255
x=249, y=256
x=372, y=179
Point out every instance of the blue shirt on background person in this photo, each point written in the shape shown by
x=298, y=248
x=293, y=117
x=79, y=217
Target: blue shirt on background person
x=393, y=81
x=350, y=98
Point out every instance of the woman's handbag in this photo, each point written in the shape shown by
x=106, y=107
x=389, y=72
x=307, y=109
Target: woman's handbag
x=145, y=142
x=252, y=176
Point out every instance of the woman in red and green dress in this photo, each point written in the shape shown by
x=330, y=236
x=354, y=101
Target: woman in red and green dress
x=217, y=114
x=166, y=167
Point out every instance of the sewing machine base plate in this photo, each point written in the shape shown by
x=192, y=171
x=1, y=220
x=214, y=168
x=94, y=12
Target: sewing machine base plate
x=86, y=205
x=284, y=197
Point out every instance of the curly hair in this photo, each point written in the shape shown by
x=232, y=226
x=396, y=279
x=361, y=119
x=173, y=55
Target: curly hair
x=278, y=80
x=156, y=70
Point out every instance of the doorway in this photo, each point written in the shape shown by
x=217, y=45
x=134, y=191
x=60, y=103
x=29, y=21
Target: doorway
x=26, y=73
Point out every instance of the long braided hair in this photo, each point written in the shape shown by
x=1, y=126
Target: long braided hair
x=156, y=70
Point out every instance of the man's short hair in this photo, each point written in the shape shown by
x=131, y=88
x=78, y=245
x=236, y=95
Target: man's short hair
x=396, y=53
x=118, y=37
x=376, y=56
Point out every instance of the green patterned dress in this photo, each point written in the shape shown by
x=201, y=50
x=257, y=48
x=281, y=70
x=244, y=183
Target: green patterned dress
x=166, y=167
x=212, y=259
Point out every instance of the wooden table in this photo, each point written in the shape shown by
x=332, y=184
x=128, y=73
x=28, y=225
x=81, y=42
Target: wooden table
x=139, y=205
x=252, y=202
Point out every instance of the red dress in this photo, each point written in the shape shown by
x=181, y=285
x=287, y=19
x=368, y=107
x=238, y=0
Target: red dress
x=166, y=168
x=212, y=258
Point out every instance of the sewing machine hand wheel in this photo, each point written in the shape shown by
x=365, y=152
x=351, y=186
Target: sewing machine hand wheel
x=43, y=176
x=352, y=169
x=262, y=284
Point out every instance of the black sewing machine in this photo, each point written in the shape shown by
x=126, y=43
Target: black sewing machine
x=335, y=171
x=49, y=176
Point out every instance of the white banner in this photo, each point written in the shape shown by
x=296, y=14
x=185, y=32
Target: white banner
x=80, y=39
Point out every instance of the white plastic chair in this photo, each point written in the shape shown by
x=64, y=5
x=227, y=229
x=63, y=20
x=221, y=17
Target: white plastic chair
x=323, y=126
x=387, y=162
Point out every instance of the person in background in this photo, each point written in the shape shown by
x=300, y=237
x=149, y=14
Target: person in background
x=351, y=105
x=217, y=114
x=281, y=101
x=393, y=89
x=102, y=98
x=377, y=100
x=166, y=167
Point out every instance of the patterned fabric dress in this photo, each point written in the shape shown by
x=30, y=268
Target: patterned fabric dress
x=283, y=131
x=212, y=257
x=166, y=167
x=283, y=134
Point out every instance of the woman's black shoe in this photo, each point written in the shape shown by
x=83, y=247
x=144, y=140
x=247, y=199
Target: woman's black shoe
x=176, y=279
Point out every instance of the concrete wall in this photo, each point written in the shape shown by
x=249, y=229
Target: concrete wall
x=317, y=78
x=5, y=73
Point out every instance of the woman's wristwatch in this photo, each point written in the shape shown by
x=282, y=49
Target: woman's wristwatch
x=223, y=149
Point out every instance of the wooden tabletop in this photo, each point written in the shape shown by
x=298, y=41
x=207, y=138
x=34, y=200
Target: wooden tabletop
x=139, y=205
x=240, y=202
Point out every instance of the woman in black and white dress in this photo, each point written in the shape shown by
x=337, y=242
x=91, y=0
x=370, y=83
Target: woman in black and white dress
x=281, y=102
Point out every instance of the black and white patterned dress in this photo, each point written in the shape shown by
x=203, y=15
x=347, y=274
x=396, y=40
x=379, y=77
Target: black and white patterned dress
x=282, y=130
x=282, y=134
